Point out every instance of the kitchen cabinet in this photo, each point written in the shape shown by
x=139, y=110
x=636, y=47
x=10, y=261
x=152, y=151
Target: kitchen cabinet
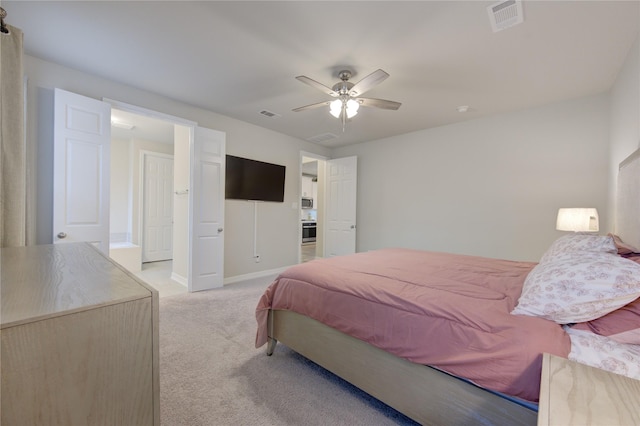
x=310, y=187
x=307, y=186
x=79, y=339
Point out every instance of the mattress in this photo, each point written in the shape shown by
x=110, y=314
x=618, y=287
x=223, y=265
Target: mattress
x=448, y=311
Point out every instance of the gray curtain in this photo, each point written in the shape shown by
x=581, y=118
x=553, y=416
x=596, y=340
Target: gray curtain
x=12, y=144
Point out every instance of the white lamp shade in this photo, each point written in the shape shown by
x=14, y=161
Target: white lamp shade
x=578, y=220
x=335, y=108
x=352, y=108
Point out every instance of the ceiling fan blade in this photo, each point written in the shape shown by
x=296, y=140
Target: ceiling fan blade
x=379, y=103
x=312, y=106
x=368, y=82
x=319, y=86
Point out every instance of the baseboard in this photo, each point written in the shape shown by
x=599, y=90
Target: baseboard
x=179, y=279
x=253, y=275
x=238, y=278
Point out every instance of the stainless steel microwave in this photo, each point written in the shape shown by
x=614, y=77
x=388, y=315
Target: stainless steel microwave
x=306, y=203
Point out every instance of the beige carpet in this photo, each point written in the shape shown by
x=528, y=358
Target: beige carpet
x=211, y=374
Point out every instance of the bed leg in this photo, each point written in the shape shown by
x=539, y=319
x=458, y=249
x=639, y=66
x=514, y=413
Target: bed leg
x=271, y=346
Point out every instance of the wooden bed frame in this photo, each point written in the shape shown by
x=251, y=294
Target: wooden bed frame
x=423, y=393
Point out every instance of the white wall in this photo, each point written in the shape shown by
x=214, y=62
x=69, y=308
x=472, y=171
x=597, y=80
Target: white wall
x=625, y=120
x=181, y=173
x=488, y=187
x=278, y=239
x=278, y=233
x=492, y=187
x=120, y=190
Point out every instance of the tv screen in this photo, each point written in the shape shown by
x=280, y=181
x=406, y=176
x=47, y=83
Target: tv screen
x=247, y=179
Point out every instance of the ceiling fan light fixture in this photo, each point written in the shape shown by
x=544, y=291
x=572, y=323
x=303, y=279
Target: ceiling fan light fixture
x=347, y=100
x=352, y=108
x=335, y=108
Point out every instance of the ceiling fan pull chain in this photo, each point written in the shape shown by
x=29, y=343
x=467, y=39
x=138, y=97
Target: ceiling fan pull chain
x=344, y=115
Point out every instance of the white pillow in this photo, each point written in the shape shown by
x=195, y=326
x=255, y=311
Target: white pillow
x=579, y=243
x=579, y=287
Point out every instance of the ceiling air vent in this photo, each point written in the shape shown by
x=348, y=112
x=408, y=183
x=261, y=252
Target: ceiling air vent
x=505, y=14
x=322, y=138
x=270, y=114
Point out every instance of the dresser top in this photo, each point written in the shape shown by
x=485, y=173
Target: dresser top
x=38, y=282
x=577, y=394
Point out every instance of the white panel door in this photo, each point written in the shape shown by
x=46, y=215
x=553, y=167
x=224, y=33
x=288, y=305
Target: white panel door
x=157, y=231
x=82, y=138
x=206, y=200
x=341, y=189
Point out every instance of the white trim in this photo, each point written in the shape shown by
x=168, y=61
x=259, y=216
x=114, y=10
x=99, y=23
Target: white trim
x=190, y=201
x=179, y=279
x=312, y=155
x=148, y=112
x=254, y=275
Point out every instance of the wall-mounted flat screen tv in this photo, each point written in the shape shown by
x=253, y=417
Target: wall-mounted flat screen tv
x=247, y=179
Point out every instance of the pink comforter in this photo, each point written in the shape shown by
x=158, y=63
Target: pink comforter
x=448, y=311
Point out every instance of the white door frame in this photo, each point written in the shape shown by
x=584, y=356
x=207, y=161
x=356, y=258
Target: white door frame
x=134, y=109
x=141, y=189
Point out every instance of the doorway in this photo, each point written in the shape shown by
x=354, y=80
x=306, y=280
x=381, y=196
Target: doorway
x=142, y=198
x=311, y=207
x=335, y=206
x=82, y=182
x=133, y=138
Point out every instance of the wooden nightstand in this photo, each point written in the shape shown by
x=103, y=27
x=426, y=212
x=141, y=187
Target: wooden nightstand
x=576, y=394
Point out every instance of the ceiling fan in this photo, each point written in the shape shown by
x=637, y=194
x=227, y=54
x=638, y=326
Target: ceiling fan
x=348, y=95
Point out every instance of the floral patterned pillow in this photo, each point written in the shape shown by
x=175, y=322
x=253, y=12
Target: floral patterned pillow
x=579, y=287
x=579, y=243
x=604, y=353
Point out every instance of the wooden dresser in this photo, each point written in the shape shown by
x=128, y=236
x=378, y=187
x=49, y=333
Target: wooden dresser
x=79, y=339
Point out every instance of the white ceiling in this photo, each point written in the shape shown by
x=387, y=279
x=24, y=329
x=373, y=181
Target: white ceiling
x=237, y=58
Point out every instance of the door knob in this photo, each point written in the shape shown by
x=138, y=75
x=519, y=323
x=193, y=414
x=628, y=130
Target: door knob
x=62, y=235
x=353, y=227
x=220, y=229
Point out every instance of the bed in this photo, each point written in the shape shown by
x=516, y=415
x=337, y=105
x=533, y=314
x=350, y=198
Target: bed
x=481, y=324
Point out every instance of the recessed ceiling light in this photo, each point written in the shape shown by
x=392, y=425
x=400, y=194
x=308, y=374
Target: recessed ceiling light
x=463, y=108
